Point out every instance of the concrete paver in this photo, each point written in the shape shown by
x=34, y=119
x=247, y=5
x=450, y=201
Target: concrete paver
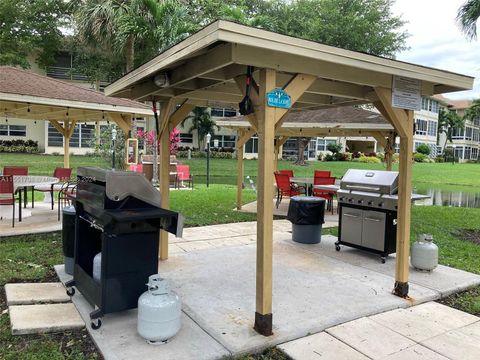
x=416, y=352
x=424, y=321
x=35, y=293
x=370, y=338
x=35, y=319
x=321, y=346
x=459, y=344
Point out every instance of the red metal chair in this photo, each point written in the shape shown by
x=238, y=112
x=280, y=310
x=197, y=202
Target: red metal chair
x=7, y=196
x=284, y=188
x=326, y=194
x=183, y=174
x=66, y=196
x=322, y=173
x=288, y=172
x=63, y=175
x=21, y=171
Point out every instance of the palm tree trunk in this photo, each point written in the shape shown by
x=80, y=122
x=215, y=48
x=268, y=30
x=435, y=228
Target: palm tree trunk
x=130, y=53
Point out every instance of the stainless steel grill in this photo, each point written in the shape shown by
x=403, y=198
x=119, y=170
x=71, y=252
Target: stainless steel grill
x=368, y=210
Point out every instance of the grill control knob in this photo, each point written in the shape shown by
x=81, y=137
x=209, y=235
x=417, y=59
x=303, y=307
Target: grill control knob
x=380, y=204
x=350, y=200
x=370, y=203
x=360, y=201
x=341, y=198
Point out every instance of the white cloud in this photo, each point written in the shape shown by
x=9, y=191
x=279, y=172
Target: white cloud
x=437, y=41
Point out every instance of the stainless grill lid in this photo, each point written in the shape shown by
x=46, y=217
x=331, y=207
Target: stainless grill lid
x=376, y=181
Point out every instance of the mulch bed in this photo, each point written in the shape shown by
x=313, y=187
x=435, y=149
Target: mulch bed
x=469, y=235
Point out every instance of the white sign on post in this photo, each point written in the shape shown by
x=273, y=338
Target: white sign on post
x=406, y=93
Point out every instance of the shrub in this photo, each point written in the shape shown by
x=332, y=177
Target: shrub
x=356, y=154
x=320, y=157
x=329, y=157
x=342, y=156
x=380, y=156
x=367, y=159
x=334, y=148
x=19, y=146
x=424, y=149
x=419, y=157
x=439, y=159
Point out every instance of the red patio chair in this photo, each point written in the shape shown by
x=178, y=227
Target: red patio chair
x=7, y=196
x=326, y=194
x=284, y=188
x=21, y=171
x=183, y=174
x=322, y=173
x=136, y=167
x=66, y=195
x=288, y=172
x=63, y=175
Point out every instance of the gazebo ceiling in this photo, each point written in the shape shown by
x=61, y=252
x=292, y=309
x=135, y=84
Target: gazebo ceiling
x=205, y=67
x=27, y=95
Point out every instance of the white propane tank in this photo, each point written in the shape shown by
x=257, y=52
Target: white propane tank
x=97, y=267
x=424, y=253
x=159, y=311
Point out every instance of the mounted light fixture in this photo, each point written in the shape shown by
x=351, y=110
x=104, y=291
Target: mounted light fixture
x=66, y=114
x=28, y=107
x=161, y=80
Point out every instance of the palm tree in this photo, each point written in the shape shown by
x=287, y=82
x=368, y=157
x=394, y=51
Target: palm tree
x=448, y=121
x=202, y=122
x=119, y=25
x=467, y=17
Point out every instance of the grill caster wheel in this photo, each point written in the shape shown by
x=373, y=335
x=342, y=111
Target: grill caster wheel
x=96, y=324
x=71, y=291
x=383, y=260
x=337, y=247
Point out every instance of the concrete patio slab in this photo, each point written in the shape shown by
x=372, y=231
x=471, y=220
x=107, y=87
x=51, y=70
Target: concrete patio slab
x=311, y=292
x=38, y=319
x=416, y=352
x=321, y=346
x=460, y=344
x=425, y=321
x=443, y=279
x=42, y=219
x=35, y=293
x=370, y=338
x=117, y=339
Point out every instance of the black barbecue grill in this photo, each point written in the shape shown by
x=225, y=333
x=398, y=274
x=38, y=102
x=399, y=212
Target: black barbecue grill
x=368, y=211
x=118, y=214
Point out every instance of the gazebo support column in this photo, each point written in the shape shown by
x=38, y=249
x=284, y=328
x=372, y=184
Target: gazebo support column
x=164, y=169
x=240, y=176
x=402, y=120
x=266, y=129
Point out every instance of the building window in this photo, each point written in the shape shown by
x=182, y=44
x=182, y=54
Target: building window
x=223, y=141
x=251, y=146
x=458, y=151
x=83, y=136
x=468, y=133
x=474, y=154
x=13, y=130
x=467, y=153
x=458, y=133
x=476, y=135
x=322, y=144
x=421, y=127
x=223, y=112
x=432, y=128
x=186, y=138
x=424, y=103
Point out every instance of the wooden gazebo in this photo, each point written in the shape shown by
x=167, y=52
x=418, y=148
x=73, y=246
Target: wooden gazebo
x=209, y=68
x=34, y=97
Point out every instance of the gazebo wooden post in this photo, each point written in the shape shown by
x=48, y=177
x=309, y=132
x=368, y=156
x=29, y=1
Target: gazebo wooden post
x=240, y=171
x=164, y=168
x=402, y=120
x=389, y=151
x=266, y=130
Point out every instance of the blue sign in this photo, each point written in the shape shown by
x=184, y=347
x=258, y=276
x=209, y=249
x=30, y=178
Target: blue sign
x=279, y=98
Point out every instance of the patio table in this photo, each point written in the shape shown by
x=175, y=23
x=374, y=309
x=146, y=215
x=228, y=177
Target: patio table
x=306, y=180
x=26, y=181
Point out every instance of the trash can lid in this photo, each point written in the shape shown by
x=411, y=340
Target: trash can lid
x=313, y=199
x=69, y=210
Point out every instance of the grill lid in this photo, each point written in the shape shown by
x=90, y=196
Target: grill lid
x=376, y=181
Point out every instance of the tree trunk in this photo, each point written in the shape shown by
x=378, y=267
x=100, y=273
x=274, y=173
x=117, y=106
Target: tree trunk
x=302, y=143
x=130, y=53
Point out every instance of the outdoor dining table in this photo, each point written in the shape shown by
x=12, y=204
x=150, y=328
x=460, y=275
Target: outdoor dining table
x=29, y=181
x=306, y=180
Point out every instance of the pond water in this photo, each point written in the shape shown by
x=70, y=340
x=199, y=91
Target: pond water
x=460, y=197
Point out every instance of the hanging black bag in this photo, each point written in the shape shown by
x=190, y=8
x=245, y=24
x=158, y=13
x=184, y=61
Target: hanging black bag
x=246, y=106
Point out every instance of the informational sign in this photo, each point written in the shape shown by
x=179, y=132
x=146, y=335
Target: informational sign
x=406, y=93
x=279, y=98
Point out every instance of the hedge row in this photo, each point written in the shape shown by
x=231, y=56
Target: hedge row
x=19, y=146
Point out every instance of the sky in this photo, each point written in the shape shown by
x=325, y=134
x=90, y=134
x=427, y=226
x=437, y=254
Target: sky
x=437, y=41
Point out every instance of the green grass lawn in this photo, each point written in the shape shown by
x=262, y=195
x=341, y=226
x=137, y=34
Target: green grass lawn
x=224, y=171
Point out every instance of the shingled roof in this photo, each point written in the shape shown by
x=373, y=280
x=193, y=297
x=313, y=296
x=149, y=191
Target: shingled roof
x=22, y=82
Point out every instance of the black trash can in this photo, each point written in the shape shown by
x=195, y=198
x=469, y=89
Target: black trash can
x=307, y=215
x=68, y=237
